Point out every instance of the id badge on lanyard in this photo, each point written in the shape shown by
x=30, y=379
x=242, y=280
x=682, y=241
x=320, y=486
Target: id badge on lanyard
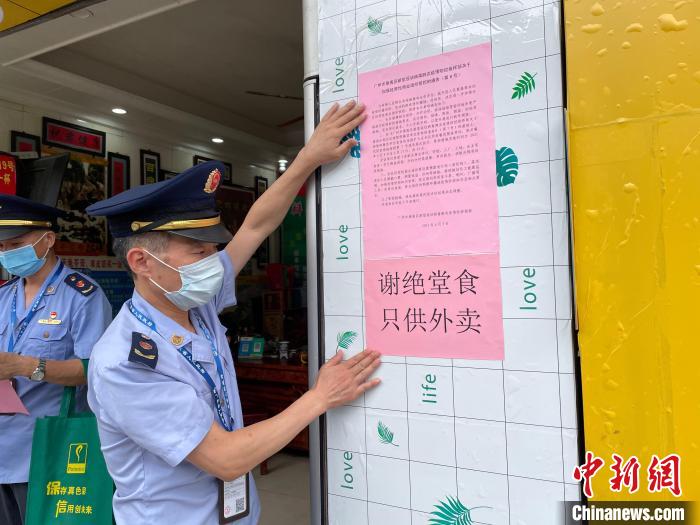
x=234, y=499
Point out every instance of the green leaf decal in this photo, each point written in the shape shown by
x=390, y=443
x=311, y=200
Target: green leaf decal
x=346, y=339
x=506, y=166
x=374, y=25
x=451, y=512
x=525, y=85
x=386, y=436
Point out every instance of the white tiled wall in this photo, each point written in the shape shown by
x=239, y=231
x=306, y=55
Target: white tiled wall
x=500, y=435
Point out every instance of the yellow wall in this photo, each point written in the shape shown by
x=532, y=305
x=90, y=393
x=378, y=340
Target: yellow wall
x=633, y=80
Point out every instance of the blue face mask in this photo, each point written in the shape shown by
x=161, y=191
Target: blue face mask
x=23, y=261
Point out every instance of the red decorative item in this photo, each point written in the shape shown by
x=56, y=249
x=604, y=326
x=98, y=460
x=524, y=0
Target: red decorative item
x=24, y=142
x=70, y=136
x=118, y=167
x=8, y=174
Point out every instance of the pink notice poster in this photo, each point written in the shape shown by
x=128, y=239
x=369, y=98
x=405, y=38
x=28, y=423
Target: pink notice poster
x=430, y=209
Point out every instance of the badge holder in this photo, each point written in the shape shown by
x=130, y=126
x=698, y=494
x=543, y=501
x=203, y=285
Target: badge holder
x=234, y=499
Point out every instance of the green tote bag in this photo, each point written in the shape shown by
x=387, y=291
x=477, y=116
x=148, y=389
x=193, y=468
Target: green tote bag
x=68, y=478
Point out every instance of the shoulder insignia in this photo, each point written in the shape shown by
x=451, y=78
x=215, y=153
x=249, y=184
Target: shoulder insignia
x=80, y=283
x=10, y=282
x=143, y=350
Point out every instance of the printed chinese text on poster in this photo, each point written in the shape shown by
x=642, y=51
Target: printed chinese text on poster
x=430, y=210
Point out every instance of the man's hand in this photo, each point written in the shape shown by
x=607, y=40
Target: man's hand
x=228, y=455
x=13, y=365
x=340, y=382
x=324, y=145
x=269, y=210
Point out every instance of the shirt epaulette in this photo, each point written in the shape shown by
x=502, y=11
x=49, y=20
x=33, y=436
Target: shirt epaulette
x=143, y=350
x=80, y=284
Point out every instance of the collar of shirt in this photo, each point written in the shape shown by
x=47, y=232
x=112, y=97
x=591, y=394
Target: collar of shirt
x=22, y=309
x=175, y=334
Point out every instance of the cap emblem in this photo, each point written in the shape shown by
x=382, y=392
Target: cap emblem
x=213, y=181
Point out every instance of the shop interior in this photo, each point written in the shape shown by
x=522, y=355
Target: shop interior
x=106, y=95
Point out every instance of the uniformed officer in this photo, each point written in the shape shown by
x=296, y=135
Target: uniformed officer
x=162, y=382
x=50, y=317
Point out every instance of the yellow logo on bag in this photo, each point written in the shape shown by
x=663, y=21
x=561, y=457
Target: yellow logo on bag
x=77, y=458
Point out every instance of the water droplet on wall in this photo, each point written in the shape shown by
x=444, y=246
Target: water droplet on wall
x=609, y=414
x=612, y=385
x=591, y=28
x=597, y=9
x=668, y=22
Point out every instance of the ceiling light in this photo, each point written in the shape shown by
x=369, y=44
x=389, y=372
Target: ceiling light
x=217, y=140
x=119, y=111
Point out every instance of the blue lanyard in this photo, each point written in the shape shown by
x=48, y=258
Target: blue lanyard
x=217, y=361
x=225, y=421
x=32, y=310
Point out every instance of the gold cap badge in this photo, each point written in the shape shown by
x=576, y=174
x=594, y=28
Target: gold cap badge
x=213, y=181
